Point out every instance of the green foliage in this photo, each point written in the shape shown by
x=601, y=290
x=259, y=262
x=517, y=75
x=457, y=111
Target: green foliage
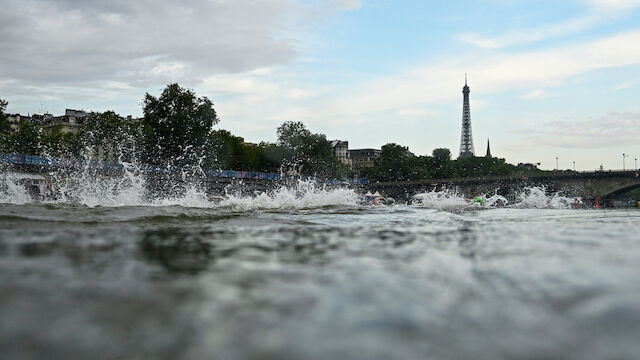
x=226, y=151
x=307, y=151
x=441, y=155
x=395, y=165
x=5, y=126
x=274, y=156
x=27, y=139
x=483, y=166
x=440, y=164
x=60, y=144
x=176, y=126
x=293, y=135
x=392, y=165
x=5, y=129
x=109, y=136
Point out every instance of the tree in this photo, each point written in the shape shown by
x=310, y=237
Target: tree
x=273, y=156
x=61, y=144
x=441, y=155
x=483, y=166
x=5, y=126
x=310, y=152
x=223, y=150
x=176, y=126
x=440, y=163
x=109, y=136
x=5, y=129
x=27, y=140
x=293, y=135
x=392, y=165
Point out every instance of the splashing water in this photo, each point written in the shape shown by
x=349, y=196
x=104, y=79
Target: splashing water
x=451, y=200
x=442, y=200
x=529, y=198
x=90, y=188
x=537, y=198
x=305, y=194
x=11, y=190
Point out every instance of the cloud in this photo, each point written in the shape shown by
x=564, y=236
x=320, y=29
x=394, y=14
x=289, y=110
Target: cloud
x=614, y=4
x=534, y=94
x=421, y=112
x=494, y=73
x=622, y=86
x=260, y=100
x=147, y=42
x=608, y=131
x=600, y=11
x=524, y=36
x=348, y=4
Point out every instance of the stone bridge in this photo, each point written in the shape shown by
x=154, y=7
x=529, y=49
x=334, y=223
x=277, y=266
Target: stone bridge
x=587, y=185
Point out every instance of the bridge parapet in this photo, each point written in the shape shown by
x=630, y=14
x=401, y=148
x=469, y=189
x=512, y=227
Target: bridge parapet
x=587, y=185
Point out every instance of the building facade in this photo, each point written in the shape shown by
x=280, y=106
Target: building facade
x=363, y=158
x=341, y=152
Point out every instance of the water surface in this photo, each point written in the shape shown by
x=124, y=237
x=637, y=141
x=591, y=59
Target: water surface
x=341, y=281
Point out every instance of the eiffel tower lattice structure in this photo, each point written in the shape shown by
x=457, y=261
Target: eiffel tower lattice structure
x=466, y=140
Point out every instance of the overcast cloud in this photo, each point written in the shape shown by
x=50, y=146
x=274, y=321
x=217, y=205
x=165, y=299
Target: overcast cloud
x=144, y=42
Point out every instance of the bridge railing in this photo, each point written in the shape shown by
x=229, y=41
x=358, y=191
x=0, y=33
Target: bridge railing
x=78, y=164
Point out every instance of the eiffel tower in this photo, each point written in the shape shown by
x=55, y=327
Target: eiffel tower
x=466, y=141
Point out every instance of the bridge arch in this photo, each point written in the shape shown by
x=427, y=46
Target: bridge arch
x=621, y=191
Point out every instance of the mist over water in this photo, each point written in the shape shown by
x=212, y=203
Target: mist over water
x=312, y=272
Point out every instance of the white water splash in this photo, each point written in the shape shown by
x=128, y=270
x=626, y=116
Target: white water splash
x=90, y=188
x=529, y=198
x=305, y=194
x=538, y=198
x=451, y=200
x=443, y=200
x=12, y=191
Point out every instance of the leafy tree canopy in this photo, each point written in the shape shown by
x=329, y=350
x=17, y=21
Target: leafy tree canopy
x=307, y=151
x=109, y=135
x=176, y=126
x=441, y=155
x=5, y=126
x=27, y=140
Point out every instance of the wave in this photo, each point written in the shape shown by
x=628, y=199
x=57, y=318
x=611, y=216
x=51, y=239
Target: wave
x=528, y=198
x=131, y=189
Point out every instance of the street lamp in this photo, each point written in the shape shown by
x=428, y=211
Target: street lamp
x=636, y=160
x=557, y=163
x=574, y=166
x=624, y=156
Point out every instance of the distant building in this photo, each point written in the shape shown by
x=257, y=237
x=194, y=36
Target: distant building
x=15, y=121
x=78, y=114
x=363, y=158
x=488, y=150
x=466, y=139
x=62, y=124
x=341, y=151
x=68, y=123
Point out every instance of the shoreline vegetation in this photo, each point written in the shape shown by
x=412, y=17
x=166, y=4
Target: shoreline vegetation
x=177, y=130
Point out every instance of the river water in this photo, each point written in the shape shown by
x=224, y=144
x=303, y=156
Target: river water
x=314, y=274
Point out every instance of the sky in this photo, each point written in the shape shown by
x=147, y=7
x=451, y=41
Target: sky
x=548, y=79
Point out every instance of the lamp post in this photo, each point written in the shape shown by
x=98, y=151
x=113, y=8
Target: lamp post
x=557, y=163
x=574, y=166
x=636, y=160
x=623, y=156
